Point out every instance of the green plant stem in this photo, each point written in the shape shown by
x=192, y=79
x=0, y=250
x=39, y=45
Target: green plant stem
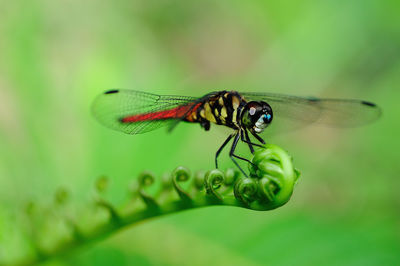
x=270, y=185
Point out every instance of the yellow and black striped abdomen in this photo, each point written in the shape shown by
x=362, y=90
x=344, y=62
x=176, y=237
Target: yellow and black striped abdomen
x=221, y=109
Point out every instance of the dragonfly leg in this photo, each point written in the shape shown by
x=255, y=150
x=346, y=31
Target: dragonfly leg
x=245, y=138
x=257, y=137
x=221, y=148
x=205, y=125
x=233, y=155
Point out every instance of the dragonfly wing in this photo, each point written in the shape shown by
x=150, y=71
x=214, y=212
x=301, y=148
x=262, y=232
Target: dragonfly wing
x=112, y=107
x=300, y=111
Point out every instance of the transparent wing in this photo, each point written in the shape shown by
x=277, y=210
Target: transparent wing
x=112, y=106
x=292, y=111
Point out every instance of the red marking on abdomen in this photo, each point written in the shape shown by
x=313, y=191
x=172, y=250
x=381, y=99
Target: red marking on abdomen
x=177, y=112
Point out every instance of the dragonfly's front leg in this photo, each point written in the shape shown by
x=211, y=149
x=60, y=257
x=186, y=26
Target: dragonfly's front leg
x=257, y=137
x=233, y=155
x=245, y=138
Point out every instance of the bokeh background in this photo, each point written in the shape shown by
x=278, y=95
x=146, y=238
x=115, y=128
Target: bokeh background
x=56, y=56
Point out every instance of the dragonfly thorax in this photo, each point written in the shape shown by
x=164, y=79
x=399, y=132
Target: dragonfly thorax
x=256, y=116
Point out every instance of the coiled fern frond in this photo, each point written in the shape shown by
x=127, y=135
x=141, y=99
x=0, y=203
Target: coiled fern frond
x=269, y=186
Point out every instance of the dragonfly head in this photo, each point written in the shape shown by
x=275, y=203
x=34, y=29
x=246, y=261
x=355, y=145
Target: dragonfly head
x=256, y=116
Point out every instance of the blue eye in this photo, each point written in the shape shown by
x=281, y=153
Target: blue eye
x=267, y=117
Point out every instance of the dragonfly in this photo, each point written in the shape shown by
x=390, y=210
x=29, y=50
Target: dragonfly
x=136, y=112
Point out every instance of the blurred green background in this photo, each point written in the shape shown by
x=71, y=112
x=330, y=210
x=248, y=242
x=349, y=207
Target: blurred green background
x=56, y=56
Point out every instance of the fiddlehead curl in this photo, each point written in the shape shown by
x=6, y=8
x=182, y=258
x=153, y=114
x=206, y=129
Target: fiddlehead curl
x=181, y=174
x=272, y=179
x=101, y=186
x=146, y=179
x=231, y=176
x=213, y=181
x=246, y=190
x=269, y=185
x=198, y=180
